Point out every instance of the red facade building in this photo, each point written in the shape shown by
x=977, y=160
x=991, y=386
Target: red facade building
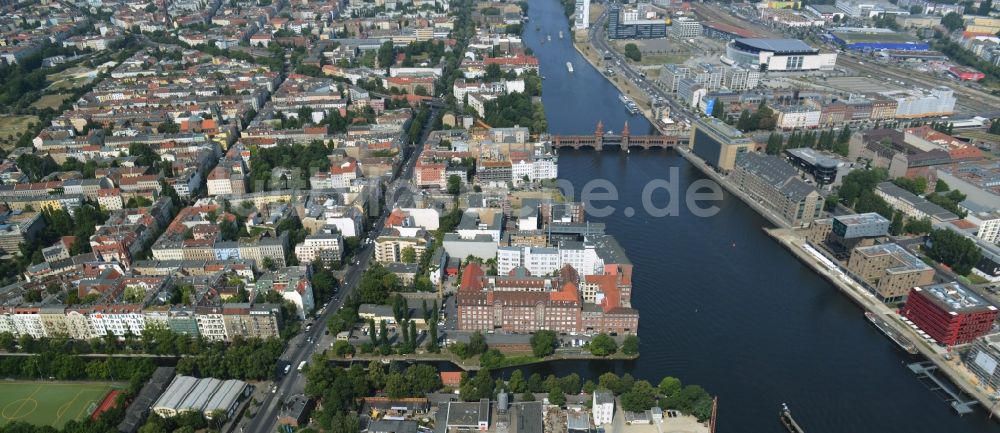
x=949, y=313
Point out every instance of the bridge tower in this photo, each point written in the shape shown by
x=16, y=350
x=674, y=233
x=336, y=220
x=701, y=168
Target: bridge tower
x=599, y=136
x=625, y=134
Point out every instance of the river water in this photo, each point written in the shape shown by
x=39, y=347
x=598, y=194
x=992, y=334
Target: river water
x=721, y=304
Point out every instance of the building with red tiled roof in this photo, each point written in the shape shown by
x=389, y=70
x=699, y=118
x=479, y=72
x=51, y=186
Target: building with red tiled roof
x=522, y=303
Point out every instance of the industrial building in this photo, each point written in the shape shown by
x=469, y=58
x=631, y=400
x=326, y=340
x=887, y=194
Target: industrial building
x=778, y=55
x=950, y=313
x=875, y=39
x=718, y=143
x=774, y=183
x=889, y=271
x=207, y=396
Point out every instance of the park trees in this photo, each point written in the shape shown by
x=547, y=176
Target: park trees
x=543, y=343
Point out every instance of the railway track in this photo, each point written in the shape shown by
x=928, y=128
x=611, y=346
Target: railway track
x=973, y=101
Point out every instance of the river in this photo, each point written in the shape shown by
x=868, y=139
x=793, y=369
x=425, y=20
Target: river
x=723, y=305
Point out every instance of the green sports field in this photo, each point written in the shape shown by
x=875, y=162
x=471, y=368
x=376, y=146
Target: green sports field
x=49, y=403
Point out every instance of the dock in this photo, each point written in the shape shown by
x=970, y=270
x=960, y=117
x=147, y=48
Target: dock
x=935, y=356
x=925, y=372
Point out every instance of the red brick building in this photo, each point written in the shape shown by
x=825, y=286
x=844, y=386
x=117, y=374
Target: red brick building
x=949, y=313
x=522, y=303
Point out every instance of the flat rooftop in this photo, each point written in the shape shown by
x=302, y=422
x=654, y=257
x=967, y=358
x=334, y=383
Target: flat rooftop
x=955, y=298
x=906, y=262
x=861, y=219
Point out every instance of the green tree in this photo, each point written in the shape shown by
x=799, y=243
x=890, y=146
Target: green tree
x=556, y=396
x=603, y=345
x=953, y=21
x=640, y=398
x=917, y=226
x=669, y=386
x=941, y=186
x=632, y=52
x=952, y=249
x=408, y=255
x=543, y=343
x=454, y=184
x=744, y=123
x=386, y=54
x=516, y=383
x=631, y=345
x=719, y=110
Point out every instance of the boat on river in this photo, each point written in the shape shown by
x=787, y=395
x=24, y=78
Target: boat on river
x=785, y=415
x=894, y=335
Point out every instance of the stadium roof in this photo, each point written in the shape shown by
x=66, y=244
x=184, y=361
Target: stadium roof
x=777, y=45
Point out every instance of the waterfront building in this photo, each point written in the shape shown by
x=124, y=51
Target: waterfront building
x=718, y=143
x=983, y=360
x=774, y=183
x=778, y=55
x=950, y=313
x=582, y=20
x=522, y=303
x=889, y=271
x=911, y=204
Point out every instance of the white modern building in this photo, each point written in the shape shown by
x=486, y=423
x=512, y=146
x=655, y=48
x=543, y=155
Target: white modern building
x=778, y=55
x=327, y=245
x=603, y=407
x=582, y=14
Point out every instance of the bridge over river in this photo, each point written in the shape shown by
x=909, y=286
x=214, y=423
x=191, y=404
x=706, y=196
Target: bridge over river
x=600, y=139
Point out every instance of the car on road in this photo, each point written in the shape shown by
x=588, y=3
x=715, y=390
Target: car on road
x=288, y=368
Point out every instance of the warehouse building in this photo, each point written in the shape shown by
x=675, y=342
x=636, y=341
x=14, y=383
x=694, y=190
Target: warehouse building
x=875, y=39
x=208, y=396
x=778, y=55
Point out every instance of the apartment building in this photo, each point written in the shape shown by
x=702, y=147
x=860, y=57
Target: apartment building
x=889, y=271
x=775, y=184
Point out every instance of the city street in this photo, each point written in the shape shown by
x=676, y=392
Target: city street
x=299, y=348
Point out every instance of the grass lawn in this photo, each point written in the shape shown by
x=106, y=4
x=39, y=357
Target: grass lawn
x=663, y=59
x=11, y=127
x=49, y=403
x=50, y=101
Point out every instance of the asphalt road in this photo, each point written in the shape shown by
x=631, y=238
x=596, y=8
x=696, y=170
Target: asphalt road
x=599, y=41
x=303, y=346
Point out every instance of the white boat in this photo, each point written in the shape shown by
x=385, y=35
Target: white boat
x=550, y=38
x=569, y=67
x=560, y=34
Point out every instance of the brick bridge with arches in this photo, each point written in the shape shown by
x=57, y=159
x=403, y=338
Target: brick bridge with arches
x=623, y=141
